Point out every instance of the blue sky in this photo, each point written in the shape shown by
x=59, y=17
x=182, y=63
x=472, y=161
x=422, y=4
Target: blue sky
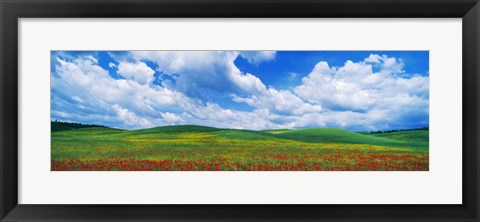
x=354, y=90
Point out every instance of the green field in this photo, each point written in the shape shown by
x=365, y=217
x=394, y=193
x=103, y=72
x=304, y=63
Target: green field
x=200, y=148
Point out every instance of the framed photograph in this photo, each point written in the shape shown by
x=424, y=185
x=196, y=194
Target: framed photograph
x=239, y=110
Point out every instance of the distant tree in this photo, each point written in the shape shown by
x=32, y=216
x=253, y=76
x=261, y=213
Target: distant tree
x=57, y=125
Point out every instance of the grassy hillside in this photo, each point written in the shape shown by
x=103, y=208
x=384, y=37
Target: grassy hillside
x=405, y=135
x=90, y=132
x=275, y=131
x=192, y=134
x=245, y=134
x=205, y=148
x=178, y=129
x=333, y=135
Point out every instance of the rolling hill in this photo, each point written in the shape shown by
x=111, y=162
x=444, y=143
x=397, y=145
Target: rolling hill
x=417, y=139
x=335, y=135
x=418, y=135
x=200, y=148
x=178, y=129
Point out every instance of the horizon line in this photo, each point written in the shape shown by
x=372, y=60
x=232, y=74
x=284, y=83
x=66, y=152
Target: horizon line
x=370, y=131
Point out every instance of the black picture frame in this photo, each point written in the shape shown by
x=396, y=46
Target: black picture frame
x=12, y=10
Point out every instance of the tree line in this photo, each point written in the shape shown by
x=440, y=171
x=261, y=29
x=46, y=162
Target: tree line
x=57, y=125
x=394, y=130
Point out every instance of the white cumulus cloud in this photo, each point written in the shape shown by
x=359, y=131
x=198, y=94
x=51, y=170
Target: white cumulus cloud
x=356, y=87
x=375, y=93
x=138, y=71
x=202, y=74
x=257, y=57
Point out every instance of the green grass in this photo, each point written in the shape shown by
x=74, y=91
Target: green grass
x=405, y=135
x=178, y=129
x=334, y=135
x=245, y=134
x=275, y=131
x=199, y=148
